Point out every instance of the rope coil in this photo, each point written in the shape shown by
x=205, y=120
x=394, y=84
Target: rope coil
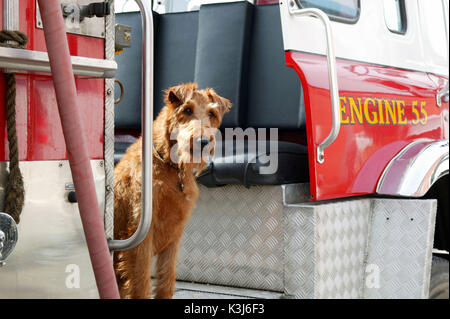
x=16, y=36
x=15, y=192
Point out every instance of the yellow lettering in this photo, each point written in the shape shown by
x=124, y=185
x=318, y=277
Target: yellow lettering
x=401, y=112
x=356, y=110
x=422, y=110
x=380, y=112
x=416, y=113
x=390, y=112
x=343, y=101
x=366, y=112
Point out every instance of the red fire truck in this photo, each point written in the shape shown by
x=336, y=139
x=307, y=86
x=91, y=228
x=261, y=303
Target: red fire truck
x=348, y=98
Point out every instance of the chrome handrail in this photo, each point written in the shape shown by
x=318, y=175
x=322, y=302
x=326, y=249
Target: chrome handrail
x=27, y=60
x=441, y=94
x=332, y=75
x=147, y=133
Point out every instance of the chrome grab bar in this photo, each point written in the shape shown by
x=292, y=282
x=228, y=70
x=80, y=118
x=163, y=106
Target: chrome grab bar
x=147, y=133
x=35, y=61
x=332, y=75
x=443, y=93
x=11, y=16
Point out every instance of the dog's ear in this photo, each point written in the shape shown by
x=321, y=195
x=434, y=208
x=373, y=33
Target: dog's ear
x=177, y=95
x=224, y=104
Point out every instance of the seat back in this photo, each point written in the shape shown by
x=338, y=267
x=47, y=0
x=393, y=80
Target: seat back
x=175, y=52
x=223, y=52
x=235, y=48
x=274, y=90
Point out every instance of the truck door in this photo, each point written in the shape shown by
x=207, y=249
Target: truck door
x=387, y=75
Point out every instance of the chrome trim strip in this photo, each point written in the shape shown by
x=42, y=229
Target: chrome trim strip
x=332, y=75
x=443, y=93
x=27, y=60
x=419, y=171
x=11, y=15
x=392, y=161
x=147, y=133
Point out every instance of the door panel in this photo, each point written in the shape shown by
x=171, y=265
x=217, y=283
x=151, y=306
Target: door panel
x=382, y=110
x=387, y=96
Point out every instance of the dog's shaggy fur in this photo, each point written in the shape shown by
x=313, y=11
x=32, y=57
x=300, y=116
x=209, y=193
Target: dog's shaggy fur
x=189, y=114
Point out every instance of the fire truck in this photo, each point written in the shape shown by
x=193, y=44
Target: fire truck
x=347, y=98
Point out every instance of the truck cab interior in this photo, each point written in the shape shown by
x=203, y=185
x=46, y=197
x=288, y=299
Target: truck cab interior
x=235, y=48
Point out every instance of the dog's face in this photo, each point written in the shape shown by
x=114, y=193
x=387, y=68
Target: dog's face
x=192, y=121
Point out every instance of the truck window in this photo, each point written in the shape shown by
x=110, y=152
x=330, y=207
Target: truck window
x=395, y=15
x=340, y=10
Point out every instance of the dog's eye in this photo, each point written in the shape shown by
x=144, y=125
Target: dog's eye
x=211, y=115
x=188, y=111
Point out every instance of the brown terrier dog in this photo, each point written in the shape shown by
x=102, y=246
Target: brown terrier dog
x=185, y=125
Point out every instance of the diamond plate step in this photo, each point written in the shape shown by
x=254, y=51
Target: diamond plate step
x=268, y=238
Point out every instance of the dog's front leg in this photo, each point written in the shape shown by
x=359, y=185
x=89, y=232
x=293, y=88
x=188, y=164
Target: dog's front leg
x=133, y=271
x=165, y=271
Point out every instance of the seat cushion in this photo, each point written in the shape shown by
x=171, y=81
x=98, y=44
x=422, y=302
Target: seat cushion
x=238, y=163
x=121, y=144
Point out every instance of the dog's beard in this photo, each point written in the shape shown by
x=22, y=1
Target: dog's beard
x=187, y=154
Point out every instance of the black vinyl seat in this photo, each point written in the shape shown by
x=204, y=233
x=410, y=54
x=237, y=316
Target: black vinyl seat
x=121, y=144
x=235, y=48
x=119, y=150
x=288, y=163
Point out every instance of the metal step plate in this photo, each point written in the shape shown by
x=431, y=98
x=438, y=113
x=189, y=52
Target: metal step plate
x=262, y=239
x=188, y=290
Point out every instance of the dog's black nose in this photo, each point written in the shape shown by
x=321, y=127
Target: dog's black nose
x=202, y=142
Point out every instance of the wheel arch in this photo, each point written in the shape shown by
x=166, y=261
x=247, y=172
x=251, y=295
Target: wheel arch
x=415, y=169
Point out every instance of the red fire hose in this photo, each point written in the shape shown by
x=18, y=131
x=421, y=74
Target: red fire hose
x=66, y=96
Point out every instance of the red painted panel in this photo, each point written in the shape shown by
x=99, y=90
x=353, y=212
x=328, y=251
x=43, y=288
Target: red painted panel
x=355, y=161
x=38, y=126
x=78, y=45
x=46, y=139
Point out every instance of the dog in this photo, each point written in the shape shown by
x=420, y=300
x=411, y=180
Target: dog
x=187, y=123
